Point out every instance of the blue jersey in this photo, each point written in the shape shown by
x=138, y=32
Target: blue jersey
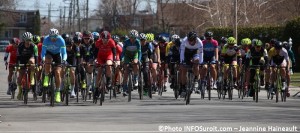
x=209, y=48
x=56, y=47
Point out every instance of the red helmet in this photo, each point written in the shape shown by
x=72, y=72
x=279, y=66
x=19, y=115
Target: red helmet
x=105, y=35
x=15, y=41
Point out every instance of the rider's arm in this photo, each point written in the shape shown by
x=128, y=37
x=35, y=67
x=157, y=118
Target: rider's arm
x=113, y=49
x=182, y=50
x=6, y=54
x=216, y=50
x=139, y=50
x=44, y=49
x=123, y=50
x=150, y=50
x=200, y=50
x=266, y=58
x=35, y=54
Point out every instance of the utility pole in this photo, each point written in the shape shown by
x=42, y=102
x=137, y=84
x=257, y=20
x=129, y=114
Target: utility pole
x=235, y=33
x=49, y=13
x=60, y=19
x=69, y=17
x=78, y=16
x=64, y=18
x=87, y=15
x=74, y=9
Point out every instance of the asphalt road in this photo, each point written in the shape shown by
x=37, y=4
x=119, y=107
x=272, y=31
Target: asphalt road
x=162, y=113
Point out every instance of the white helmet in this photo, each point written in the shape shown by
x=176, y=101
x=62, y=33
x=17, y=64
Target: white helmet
x=53, y=32
x=27, y=36
x=134, y=34
x=174, y=37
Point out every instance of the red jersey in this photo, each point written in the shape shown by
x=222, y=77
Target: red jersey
x=118, y=52
x=105, y=50
x=40, y=45
x=13, y=53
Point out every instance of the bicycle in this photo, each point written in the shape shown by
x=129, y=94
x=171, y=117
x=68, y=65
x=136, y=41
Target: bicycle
x=256, y=84
x=66, y=83
x=206, y=84
x=230, y=84
x=51, y=84
x=13, y=84
x=161, y=78
x=241, y=88
x=190, y=85
x=279, y=85
x=175, y=80
x=27, y=86
x=220, y=82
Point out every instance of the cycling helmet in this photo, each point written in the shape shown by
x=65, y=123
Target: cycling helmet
x=143, y=36
x=162, y=39
x=202, y=38
x=27, y=36
x=224, y=40
x=95, y=35
x=77, y=39
x=105, y=35
x=192, y=36
x=174, y=37
x=69, y=41
x=257, y=43
x=150, y=37
x=246, y=41
x=15, y=41
x=53, y=32
x=65, y=36
x=286, y=45
x=36, y=39
x=116, y=38
x=133, y=34
x=78, y=34
x=231, y=40
x=278, y=45
x=208, y=34
x=177, y=42
x=87, y=34
x=273, y=41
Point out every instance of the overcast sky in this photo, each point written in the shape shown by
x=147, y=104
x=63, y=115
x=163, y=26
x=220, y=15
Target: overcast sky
x=55, y=4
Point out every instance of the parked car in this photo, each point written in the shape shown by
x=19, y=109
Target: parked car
x=3, y=45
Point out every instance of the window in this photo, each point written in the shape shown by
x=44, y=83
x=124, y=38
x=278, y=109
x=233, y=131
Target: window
x=8, y=33
x=136, y=22
x=23, y=18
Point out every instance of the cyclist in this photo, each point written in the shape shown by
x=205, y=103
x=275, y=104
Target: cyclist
x=147, y=50
x=191, y=54
x=162, y=43
x=271, y=51
x=37, y=41
x=287, y=46
x=174, y=56
x=131, y=53
x=54, y=50
x=280, y=57
x=71, y=60
x=11, y=51
x=154, y=60
x=210, y=49
x=106, y=56
x=245, y=48
x=118, y=75
x=171, y=43
x=65, y=36
x=230, y=54
x=257, y=55
x=27, y=54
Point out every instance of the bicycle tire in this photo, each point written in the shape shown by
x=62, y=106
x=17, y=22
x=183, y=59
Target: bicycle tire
x=130, y=86
x=208, y=84
x=150, y=85
x=176, y=88
x=141, y=84
x=52, y=91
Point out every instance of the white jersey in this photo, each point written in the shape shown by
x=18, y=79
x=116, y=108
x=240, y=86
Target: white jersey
x=186, y=45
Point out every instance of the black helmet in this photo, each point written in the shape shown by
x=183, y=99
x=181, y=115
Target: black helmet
x=273, y=41
x=68, y=41
x=65, y=35
x=192, y=36
x=77, y=39
x=162, y=39
x=224, y=40
x=286, y=45
x=202, y=38
x=208, y=34
x=116, y=38
x=177, y=42
x=278, y=45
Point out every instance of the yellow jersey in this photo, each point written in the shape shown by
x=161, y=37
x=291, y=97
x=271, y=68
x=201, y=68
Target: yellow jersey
x=169, y=45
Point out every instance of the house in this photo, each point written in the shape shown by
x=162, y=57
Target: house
x=16, y=22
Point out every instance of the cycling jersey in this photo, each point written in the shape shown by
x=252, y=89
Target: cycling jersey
x=86, y=52
x=10, y=49
x=230, y=54
x=255, y=56
x=57, y=47
x=118, y=52
x=147, y=51
x=281, y=58
x=105, y=51
x=209, y=47
x=131, y=51
x=25, y=53
x=162, y=51
x=188, y=51
x=169, y=45
x=71, y=54
x=40, y=45
x=174, y=54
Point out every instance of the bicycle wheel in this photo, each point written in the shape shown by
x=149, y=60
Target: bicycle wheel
x=130, y=86
x=141, y=84
x=161, y=82
x=202, y=89
x=257, y=85
x=52, y=92
x=150, y=85
x=77, y=86
x=176, y=88
x=208, y=84
x=13, y=88
x=230, y=88
x=241, y=86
